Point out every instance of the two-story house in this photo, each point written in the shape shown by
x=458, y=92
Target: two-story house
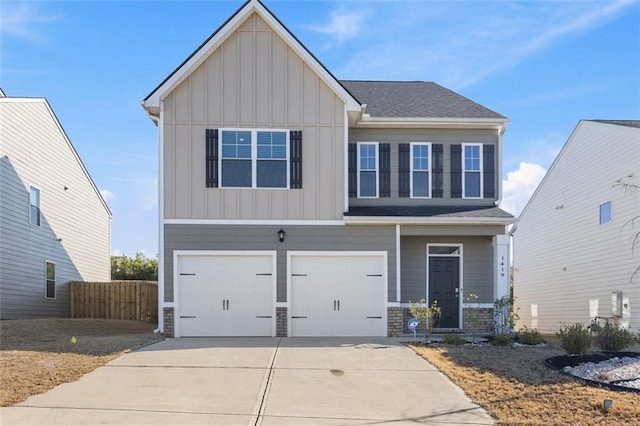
x=55, y=227
x=296, y=204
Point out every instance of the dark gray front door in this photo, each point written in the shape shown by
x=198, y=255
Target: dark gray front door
x=444, y=282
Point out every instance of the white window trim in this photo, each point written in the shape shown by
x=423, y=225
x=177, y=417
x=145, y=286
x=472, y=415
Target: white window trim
x=254, y=157
x=600, y=213
x=411, y=145
x=377, y=163
x=39, y=205
x=55, y=286
x=459, y=255
x=481, y=171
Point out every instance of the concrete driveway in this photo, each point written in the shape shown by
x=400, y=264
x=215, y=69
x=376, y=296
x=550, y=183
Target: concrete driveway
x=257, y=381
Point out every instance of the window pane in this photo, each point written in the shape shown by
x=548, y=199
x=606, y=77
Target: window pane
x=420, y=184
x=444, y=250
x=51, y=289
x=272, y=145
x=272, y=174
x=236, y=144
x=236, y=173
x=472, y=158
x=34, y=196
x=51, y=271
x=472, y=184
x=367, y=157
x=368, y=184
x=605, y=213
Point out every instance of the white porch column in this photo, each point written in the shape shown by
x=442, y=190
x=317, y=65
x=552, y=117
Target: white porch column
x=501, y=266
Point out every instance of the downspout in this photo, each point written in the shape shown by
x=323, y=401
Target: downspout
x=499, y=174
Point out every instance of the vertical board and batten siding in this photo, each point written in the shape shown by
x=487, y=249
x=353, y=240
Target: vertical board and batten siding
x=477, y=266
x=565, y=261
x=253, y=80
x=34, y=152
x=446, y=137
x=298, y=238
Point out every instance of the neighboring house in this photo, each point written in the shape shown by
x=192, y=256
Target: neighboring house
x=295, y=204
x=573, y=244
x=54, y=225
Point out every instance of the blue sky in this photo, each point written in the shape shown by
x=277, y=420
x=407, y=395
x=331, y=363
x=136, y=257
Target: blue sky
x=543, y=64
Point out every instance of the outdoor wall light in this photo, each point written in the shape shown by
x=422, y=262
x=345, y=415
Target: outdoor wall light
x=281, y=235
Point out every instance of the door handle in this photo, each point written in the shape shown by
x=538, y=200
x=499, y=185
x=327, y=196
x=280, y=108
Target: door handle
x=227, y=304
x=338, y=305
x=223, y=305
x=334, y=305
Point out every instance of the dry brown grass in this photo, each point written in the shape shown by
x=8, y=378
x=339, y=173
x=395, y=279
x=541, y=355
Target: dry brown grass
x=37, y=355
x=516, y=388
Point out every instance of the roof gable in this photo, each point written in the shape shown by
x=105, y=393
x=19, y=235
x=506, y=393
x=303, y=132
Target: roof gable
x=152, y=102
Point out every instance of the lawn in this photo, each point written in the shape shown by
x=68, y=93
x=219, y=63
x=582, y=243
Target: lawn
x=516, y=388
x=39, y=354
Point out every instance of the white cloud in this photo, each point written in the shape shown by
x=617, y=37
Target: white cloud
x=343, y=25
x=520, y=185
x=23, y=20
x=487, y=38
x=107, y=195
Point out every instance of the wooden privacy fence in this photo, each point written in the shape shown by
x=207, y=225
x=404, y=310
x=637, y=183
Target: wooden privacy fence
x=127, y=300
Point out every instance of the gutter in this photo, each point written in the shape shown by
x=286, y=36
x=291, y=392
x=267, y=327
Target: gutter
x=408, y=220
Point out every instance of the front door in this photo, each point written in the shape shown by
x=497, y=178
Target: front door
x=444, y=285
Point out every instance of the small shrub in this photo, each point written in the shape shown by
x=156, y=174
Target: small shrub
x=574, y=338
x=502, y=339
x=429, y=316
x=610, y=337
x=529, y=336
x=453, y=339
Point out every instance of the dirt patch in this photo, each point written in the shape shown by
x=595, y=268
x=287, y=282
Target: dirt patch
x=39, y=354
x=516, y=388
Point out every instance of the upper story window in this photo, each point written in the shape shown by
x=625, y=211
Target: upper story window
x=254, y=158
x=50, y=280
x=605, y=213
x=420, y=170
x=34, y=206
x=367, y=169
x=472, y=170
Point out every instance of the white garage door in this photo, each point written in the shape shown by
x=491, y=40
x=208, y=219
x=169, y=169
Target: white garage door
x=227, y=294
x=337, y=294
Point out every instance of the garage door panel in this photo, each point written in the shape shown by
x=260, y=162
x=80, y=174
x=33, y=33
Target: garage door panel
x=226, y=295
x=337, y=295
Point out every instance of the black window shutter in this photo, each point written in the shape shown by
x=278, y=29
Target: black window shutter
x=436, y=172
x=404, y=168
x=456, y=171
x=295, y=159
x=353, y=170
x=489, y=170
x=384, y=164
x=211, y=141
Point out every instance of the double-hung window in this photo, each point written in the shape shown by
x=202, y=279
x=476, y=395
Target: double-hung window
x=50, y=280
x=367, y=169
x=34, y=206
x=254, y=158
x=420, y=170
x=472, y=171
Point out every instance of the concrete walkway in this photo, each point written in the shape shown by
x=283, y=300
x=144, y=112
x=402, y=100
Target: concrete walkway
x=257, y=381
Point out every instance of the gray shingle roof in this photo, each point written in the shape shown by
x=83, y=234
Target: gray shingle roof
x=627, y=123
x=430, y=211
x=404, y=99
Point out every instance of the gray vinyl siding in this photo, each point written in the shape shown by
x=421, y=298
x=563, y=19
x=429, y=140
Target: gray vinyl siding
x=253, y=80
x=566, y=263
x=34, y=152
x=446, y=137
x=477, y=266
x=298, y=238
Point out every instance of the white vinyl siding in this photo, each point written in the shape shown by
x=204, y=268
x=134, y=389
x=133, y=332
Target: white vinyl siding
x=420, y=176
x=368, y=182
x=254, y=158
x=471, y=170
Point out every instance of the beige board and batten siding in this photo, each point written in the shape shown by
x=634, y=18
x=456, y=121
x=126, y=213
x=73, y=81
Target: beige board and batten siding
x=566, y=263
x=298, y=238
x=446, y=137
x=477, y=266
x=74, y=232
x=253, y=80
